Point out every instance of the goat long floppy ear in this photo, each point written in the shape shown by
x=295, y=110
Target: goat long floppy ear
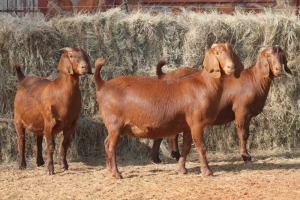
x=264, y=65
x=211, y=64
x=286, y=68
x=65, y=65
x=86, y=58
x=239, y=67
x=284, y=60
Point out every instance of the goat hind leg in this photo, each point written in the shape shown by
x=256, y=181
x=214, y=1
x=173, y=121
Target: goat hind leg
x=112, y=140
x=21, y=140
x=39, y=151
x=243, y=133
x=64, y=147
x=155, y=150
x=107, y=161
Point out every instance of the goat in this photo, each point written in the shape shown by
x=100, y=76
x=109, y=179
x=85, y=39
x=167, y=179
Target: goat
x=254, y=83
x=135, y=106
x=47, y=107
x=183, y=72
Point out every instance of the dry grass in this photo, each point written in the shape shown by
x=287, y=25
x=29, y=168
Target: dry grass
x=267, y=178
x=132, y=44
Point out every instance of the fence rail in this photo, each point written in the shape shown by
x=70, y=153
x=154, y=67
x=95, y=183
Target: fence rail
x=21, y=7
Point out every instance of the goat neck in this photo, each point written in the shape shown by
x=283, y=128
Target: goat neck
x=214, y=85
x=262, y=83
x=67, y=82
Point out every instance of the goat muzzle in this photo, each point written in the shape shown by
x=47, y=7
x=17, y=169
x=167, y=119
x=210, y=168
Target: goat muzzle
x=84, y=69
x=277, y=72
x=229, y=69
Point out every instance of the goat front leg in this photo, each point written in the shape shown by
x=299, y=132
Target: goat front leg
x=50, y=151
x=155, y=150
x=186, y=147
x=49, y=135
x=242, y=125
x=197, y=135
x=111, y=143
x=21, y=140
x=65, y=144
x=39, y=151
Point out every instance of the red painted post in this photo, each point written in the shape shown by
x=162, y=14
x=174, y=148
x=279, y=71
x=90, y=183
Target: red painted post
x=296, y=7
x=42, y=6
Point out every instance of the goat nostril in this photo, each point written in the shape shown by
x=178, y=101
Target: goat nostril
x=278, y=69
x=230, y=66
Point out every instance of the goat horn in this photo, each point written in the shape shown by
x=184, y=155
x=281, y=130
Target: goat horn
x=66, y=49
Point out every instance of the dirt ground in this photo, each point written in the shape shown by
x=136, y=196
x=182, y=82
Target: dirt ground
x=269, y=176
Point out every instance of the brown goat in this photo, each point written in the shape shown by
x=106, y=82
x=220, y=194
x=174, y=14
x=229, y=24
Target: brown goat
x=47, y=107
x=135, y=106
x=182, y=72
x=254, y=83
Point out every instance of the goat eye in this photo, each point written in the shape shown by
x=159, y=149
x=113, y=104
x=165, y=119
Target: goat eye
x=217, y=53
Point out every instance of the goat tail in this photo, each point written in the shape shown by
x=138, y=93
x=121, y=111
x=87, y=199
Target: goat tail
x=98, y=65
x=159, y=65
x=20, y=74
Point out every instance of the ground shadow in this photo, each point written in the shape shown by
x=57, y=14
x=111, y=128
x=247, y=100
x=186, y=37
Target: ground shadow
x=259, y=163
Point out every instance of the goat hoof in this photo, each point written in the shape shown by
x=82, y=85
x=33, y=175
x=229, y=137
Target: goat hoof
x=182, y=170
x=117, y=176
x=50, y=170
x=40, y=163
x=51, y=173
x=64, y=167
x=175, y=154
x=22, y=166
x=156, y=160
x=247, y=158
x=206, y=171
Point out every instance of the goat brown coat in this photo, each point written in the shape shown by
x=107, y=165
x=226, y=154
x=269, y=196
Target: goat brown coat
x=136, y=106
x=47, y=107
x=242, y=99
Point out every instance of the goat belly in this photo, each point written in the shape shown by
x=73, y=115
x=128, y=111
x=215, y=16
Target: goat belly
x=150, y=132
x=133, y=130
x=34, y=127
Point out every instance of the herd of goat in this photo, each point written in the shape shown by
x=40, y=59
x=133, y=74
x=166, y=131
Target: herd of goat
x=183, y=101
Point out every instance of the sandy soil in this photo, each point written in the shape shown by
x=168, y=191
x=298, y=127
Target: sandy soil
x=267, y=177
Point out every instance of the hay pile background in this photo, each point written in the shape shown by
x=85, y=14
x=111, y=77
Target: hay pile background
x=132, y=44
